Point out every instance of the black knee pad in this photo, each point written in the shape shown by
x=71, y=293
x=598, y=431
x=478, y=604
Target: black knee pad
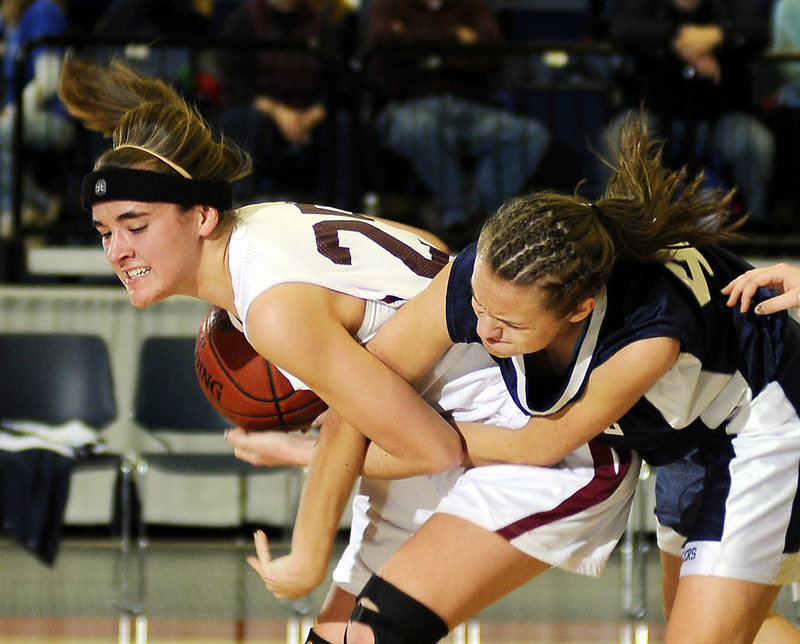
x=313, y=638
x=400, y=619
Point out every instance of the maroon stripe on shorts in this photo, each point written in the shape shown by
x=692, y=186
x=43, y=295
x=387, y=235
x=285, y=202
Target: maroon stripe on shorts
x=607, y=478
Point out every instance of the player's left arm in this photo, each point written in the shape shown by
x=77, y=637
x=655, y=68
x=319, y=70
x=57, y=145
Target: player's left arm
x=613, y=388
x=410, y=343
x=300, y=328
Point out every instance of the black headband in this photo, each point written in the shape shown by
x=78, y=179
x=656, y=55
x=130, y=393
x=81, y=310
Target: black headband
x=124, y=184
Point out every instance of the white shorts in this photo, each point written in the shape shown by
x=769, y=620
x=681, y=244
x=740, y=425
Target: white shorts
x=570, y=516
x=741, y=525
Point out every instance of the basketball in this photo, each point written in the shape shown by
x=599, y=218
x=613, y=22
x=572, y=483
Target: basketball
x=244, y=387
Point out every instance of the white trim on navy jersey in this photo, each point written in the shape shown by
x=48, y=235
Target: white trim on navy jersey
x=725, y=358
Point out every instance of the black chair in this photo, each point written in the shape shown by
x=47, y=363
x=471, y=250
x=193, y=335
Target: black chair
x=545, y=19
x=171, y=407
x=50, y=379
x=55, y=378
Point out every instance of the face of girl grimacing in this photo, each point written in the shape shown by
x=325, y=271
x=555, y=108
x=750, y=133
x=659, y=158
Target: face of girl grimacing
x=152, y=247
x=512, y=319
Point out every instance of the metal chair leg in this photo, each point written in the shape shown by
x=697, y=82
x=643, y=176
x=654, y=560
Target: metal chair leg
x=130, y=566
x=132, y=629
x=297, y=630
x=467, y=633
x=634, y=548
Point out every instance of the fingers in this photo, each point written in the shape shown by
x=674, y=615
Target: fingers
x=232, y=435
x=242, y=445
x=782, y=277
x=741, y=291
x=235, y=437
x=778, y=303
x=256, y=448
x=743, y=288
x=317, y=422
x=262, y=546
x=260, y=563
x=271, y=448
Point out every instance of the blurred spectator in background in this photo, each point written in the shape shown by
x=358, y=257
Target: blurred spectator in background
x=46, y=125
x=785, y=27
x=784, y=115
x=690, y=70
x=147, y=23
x=154, y=18
x=436, y=110
x=277, y=100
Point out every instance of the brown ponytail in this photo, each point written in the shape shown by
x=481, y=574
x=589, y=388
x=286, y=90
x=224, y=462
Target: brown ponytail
x=146, y=113
x=569, y=245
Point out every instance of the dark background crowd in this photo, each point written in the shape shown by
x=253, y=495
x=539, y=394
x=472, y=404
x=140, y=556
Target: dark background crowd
x=432, y=112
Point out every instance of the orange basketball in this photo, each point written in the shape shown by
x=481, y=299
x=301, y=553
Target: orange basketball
x=244, y=387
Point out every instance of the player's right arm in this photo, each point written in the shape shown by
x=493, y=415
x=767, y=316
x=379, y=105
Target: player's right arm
x=613, y=388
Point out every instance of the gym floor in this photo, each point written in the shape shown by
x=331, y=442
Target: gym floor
x=201, y=590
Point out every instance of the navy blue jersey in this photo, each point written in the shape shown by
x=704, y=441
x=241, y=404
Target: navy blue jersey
x=725, y=359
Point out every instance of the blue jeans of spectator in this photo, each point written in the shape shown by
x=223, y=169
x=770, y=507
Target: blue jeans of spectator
x=436, y=134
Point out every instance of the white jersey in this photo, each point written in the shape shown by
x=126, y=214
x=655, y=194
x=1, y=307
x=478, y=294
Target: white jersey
x=280, y=243
x=277, y=243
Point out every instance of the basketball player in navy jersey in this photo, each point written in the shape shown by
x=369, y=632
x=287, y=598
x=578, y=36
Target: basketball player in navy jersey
x=309, y=285
x=686, y=401
x=609, y=323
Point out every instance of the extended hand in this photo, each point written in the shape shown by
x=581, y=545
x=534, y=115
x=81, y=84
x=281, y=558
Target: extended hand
x=695, y=41
x=708, y=67
x=270, y=448
x=781, y=277
x=285, y=577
